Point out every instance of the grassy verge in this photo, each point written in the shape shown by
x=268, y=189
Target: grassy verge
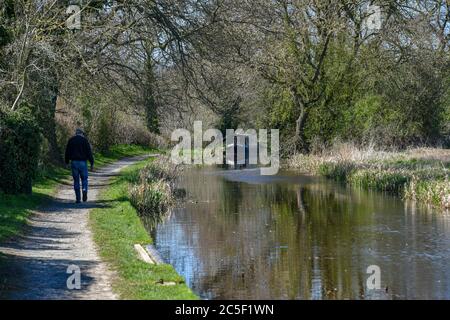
x=116, y=229
x=14, y=209
x=418, y=174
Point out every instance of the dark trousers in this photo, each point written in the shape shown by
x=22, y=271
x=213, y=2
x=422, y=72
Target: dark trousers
x=79, y=170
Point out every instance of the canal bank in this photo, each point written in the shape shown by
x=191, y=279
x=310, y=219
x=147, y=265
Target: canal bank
x=420, y=175
x=117, y=227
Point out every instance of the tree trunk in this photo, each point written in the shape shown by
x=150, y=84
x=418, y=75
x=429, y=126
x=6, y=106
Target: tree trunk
x=150, y=104
x=50, y=133
x=300, y=141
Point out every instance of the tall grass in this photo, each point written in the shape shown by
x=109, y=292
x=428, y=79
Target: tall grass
x=435, y=191
x=152, y=189
x=417, y=174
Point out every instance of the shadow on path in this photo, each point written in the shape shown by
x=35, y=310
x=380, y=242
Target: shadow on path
x=34, y=265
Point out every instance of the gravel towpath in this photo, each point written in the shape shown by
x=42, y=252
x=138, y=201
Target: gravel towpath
x=35, y=265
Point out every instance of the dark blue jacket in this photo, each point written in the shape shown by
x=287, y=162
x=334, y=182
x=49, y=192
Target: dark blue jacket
x=78, y=148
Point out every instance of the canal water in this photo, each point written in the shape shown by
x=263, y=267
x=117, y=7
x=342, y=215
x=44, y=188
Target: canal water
x=240, y=235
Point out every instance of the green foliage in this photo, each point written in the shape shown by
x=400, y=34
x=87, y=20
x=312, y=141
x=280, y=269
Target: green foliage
x=406, y=180
x=20, y=141
x=105, y=133
x=382, y=180
x=8, y=9
x=159, y=170
x=445, y=123
x=6, y=13
x=229, y=117
x=152, y=120
x=149, y=100
x=151, y=192
x=370, y=119
x=339, y=171
x=435, y=192
x=151, y=199
x=87, y=105
x=365, y=116
x=360, y=96
x=281, y=110
x=151, y=111
x=4, y=36
x=227, y=120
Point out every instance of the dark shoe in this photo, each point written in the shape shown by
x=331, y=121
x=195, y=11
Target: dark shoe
x=78, y=201
x=84, y=196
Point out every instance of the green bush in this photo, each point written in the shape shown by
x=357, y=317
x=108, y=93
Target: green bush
x=339, y=171
x=104, y=134
x=20, y=141
x=151, y=192
x=382, y=180
x=160, y=169
x=151, y=199
x=435, y=192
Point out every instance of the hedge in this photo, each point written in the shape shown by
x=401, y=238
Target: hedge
x=20, y=141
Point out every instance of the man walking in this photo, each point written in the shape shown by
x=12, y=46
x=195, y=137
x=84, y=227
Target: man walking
x=78, y=152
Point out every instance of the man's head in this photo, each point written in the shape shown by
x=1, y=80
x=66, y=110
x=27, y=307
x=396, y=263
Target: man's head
x=79, y=132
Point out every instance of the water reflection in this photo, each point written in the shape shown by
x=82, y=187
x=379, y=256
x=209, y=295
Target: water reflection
x=243, y=236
